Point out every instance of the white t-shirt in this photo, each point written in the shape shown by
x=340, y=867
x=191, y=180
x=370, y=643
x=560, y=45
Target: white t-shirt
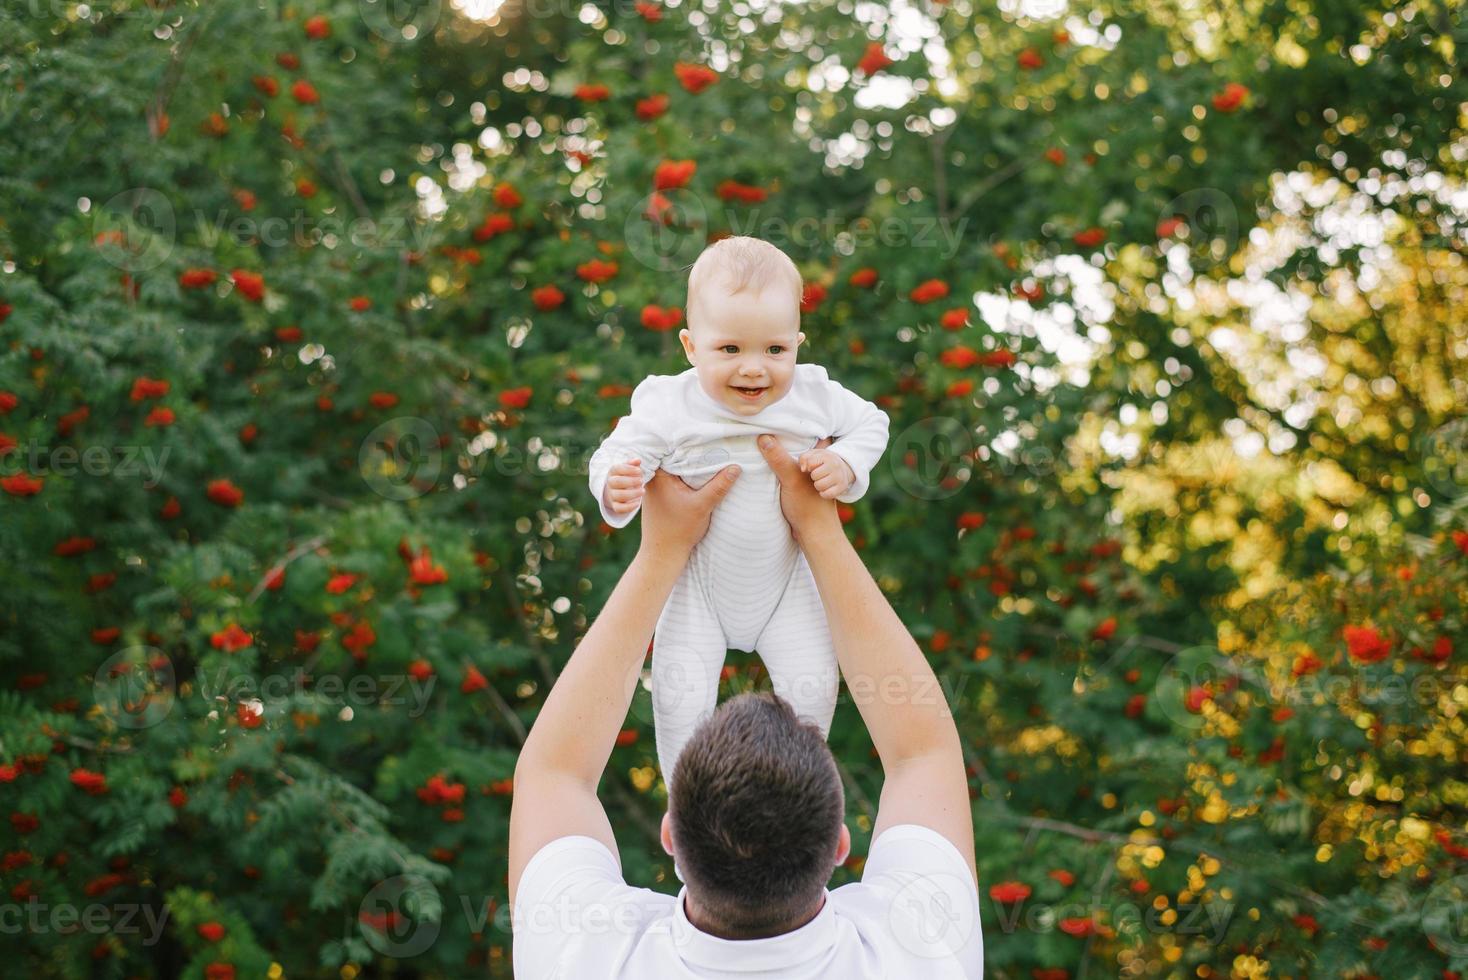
x=915, y=913
x=676, y=426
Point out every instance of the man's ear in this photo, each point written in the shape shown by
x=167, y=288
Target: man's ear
x=667, y=834
x=843, y=845
x=688, y=350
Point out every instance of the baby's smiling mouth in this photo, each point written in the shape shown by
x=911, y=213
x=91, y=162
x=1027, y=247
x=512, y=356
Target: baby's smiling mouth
x=748, y=392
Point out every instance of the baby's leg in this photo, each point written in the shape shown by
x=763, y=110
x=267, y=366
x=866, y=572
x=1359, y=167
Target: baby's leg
x=688, y=651
x=797, y=651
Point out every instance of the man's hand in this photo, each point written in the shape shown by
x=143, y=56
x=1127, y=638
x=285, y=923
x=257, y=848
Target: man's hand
x=831, y=474
x=624, y=487
x=806, y=511
x=675, y=517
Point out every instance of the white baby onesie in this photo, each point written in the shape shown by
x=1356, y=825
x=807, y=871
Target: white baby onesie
x=747, y=585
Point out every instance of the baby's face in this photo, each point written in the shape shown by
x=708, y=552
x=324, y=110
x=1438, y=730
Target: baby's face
x=743, y=347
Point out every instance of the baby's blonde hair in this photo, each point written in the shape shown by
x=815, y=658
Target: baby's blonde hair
x=744, y=263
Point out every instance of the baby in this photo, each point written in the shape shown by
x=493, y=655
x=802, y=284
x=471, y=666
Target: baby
x=746, y=585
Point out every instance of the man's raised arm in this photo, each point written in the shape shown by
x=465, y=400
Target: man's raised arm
x=889, y=678
x=566, y=752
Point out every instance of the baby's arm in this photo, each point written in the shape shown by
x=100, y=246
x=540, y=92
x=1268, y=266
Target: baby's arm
x=623, y=494
x=860, y=431
x=629, y=457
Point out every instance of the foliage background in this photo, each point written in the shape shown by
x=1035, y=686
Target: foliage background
x=1174, y=499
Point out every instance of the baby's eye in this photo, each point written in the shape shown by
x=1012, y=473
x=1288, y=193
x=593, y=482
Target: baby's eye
x=777, y=349
x=730, y=349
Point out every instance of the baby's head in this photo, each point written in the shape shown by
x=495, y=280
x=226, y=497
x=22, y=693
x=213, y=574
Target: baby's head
x=743, y=323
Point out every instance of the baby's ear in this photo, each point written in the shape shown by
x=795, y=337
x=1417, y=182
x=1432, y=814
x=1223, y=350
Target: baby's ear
x=799, y=339
x=688, y=351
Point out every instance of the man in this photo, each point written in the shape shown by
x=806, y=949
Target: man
x=755, y=820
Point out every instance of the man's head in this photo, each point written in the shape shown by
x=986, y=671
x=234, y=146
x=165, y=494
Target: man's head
x=755, y=818
x=743, y=323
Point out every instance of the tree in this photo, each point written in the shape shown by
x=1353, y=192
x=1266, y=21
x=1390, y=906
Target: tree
x=314, y=317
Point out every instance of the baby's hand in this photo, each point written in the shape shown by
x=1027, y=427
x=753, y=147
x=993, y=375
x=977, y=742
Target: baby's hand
x=830, y=473
x=624, y=487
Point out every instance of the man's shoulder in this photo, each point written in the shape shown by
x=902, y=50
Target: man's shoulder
x=904, y=850
x=916, y=898
x=573, y=889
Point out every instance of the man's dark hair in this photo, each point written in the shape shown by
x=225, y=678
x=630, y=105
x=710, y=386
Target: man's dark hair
x=756, y=808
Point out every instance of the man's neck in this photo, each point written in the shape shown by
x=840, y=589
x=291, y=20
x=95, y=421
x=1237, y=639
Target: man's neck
x=701, y=922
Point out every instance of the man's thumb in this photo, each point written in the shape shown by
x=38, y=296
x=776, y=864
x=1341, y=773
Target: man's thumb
x=723, y=481
x=777, y=457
